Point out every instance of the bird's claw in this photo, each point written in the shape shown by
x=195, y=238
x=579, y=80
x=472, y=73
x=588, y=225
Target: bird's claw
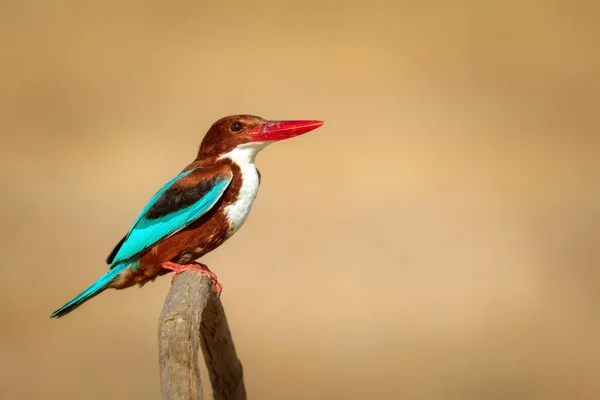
x=198, y=267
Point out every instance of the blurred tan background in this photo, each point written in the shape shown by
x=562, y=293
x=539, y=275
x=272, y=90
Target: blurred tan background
x=438, y=238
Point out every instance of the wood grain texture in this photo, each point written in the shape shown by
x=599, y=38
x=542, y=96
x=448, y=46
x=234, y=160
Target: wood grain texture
x=224, y=367
x=193, y=317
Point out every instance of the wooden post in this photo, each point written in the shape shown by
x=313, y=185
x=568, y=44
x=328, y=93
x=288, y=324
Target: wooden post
x=193, y=317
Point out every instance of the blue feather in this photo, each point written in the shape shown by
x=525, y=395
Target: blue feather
x=160, y=193
x=93, y=290
x=147, y=232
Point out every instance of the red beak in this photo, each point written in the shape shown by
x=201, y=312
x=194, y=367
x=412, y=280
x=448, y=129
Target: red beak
x=279, y=130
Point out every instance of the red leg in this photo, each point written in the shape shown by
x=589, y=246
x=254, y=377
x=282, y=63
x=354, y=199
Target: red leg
x=203, y=269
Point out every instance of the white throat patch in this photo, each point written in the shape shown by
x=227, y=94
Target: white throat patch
x=244, y=156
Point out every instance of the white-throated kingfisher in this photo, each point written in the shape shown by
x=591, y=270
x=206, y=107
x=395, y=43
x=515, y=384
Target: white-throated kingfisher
x=197, y=210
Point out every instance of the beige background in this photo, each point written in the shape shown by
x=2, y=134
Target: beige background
x=437, y=238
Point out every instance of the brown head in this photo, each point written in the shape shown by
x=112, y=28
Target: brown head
x=249, y=133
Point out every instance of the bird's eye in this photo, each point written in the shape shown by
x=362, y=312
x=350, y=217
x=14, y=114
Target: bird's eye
x=236, y=126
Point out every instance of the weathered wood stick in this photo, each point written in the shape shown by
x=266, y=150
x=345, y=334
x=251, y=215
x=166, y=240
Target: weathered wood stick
x=224, y=367
x=191, y=317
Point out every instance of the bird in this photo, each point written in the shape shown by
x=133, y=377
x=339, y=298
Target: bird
x=197, y=210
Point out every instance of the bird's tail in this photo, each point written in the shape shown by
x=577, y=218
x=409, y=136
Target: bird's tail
x=95, y=289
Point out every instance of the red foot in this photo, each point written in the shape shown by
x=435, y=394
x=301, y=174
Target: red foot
x=203, y=269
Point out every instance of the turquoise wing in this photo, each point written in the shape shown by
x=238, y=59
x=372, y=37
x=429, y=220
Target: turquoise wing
x=176, y=205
